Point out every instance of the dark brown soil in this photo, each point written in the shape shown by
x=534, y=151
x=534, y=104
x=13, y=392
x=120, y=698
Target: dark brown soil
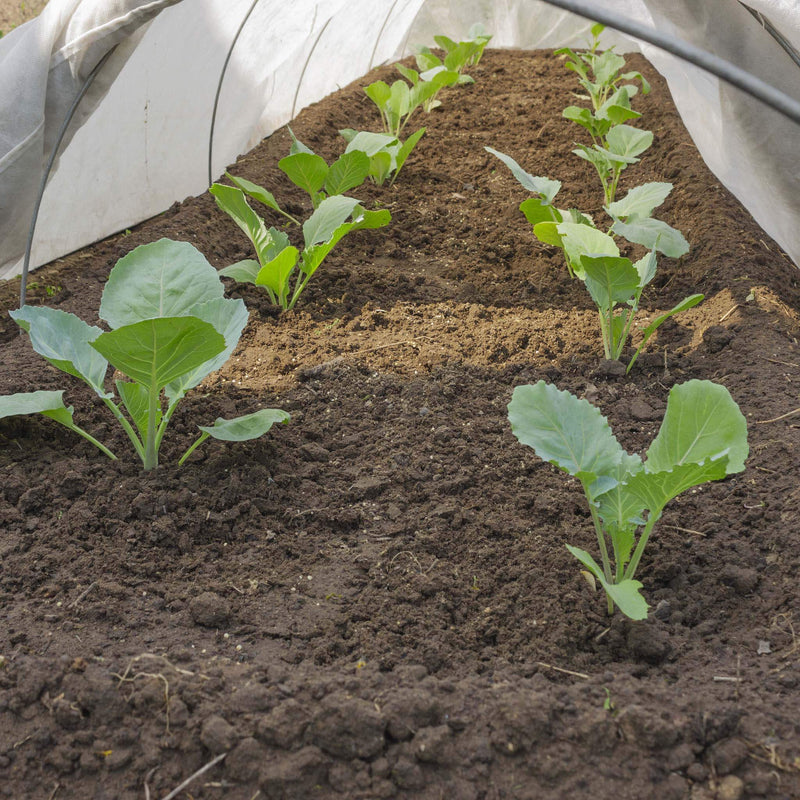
x=375, y=601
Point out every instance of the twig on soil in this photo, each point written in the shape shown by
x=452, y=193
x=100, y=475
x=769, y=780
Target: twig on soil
x=147, y=782
x=782, y=363
x=82, y=595
x=686, y=530
x=565, y=671
x=776, y=419
x=55, y=789
x=728, y=313
x=175, y=792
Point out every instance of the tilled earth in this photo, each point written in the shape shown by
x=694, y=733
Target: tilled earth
x=375, y=600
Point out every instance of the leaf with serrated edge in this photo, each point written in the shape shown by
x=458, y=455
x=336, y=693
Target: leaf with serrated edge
x=640, y=201
x=347, y=172
x=610, y=279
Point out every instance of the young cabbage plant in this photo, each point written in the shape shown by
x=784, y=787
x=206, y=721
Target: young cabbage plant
x=398, y=103
x=702, y=438
x=170, y=326
x=386, y=153
x=281, y=269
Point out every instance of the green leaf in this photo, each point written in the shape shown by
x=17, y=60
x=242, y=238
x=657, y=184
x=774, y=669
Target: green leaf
x=684, y=305
x=607, y=65
x=545, y=187
x=347, y=172
x=64, y=340
x=369, y=143
x=627, y=143
x=379, y=92
x=646, y=267
x=445, y=42
x=249, y=426
x=253, y=190
x=565, y=431
x=313, y=256
x=162, y=279
x=306, y=171
x=156, y=352
x=136, y=400
x=380, y=167
x=655, y=489
x=51, y=404
x=702, y=422
x=228, y=317
x=232, y=201
x=625, y=594
x=610, y=279
x=406, y=148
x=653, y=234
x=297, y=146
x=537, y=210
x=579, y=240
x=242, y=271
x=411, y=75
x=640, y=201
x=330, y=214
x=275, y=274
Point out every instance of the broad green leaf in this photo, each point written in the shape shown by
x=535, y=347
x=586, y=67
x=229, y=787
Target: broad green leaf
x=544, y=186
x=305, y=170
x=161, y=279
x=684, y=305
x=607, y=65
x=242, y=271
x=702, y=422
x=253, y=190
x=228, y=317
x=379, y=92
x=582, y=116
x=655, y=489
x=625, y=594
x=313, y=256
x=616, y=114
x=627, y=142
x=653, y=234
x=275, y=274
x=51, y=404
x=537, y=210
x=156, y=352
x=347, y=172
x=636, y=76
x=368, y=142
x=445, y=42
x=64, y=340
x=329, y=215
x=136, y=400
x=399, y=103
x=249, y=426
x=579, y=240
x=601, y=159
x=610, y=279
x=640, y=201
x=565, y=431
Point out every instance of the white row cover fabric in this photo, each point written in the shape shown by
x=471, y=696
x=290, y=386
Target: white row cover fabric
x=141, y=139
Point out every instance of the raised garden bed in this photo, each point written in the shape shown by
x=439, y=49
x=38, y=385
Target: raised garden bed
x=375, y=600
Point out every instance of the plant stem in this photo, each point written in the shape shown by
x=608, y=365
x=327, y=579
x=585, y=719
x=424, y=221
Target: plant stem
x=150, y=459
x=601, y=540
x=655, y=515
x=127, y=427
x=203, y=436
x=90, y=438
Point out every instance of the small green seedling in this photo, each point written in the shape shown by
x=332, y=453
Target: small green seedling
x=398, y=103
x=334, y=216
x=171, y=326
x=457, y=57
x=614, y=282
x=703, y=437
x=386, y=153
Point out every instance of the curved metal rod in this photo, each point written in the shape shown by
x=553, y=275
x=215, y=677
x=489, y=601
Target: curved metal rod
x=219, y=87
x=729, y=72
x=23, y=289
x=378, y=37
x=305, y=65
x=774, y=33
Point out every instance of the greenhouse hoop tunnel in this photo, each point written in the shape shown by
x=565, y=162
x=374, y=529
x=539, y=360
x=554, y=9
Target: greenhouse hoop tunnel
x=725, y=70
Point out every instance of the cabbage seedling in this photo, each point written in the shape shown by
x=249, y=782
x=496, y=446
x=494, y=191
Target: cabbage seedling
x=386, y=153
x=702, y=438
x=278, y=260
x=171, y=326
